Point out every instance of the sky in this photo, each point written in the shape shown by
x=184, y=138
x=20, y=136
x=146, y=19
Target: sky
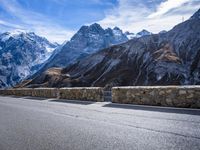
x=58, y=20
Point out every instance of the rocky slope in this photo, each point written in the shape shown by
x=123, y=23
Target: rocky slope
x=169, y=58
x=21, y=54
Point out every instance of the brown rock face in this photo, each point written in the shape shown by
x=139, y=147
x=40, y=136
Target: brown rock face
x=166, y=53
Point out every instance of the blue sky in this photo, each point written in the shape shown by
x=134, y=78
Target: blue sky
x=58, y=20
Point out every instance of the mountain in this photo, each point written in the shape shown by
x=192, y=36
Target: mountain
x=143, y=33
x=88, y=40
x=129, y=35
x=137, y=35
x=170, y=58
x=21, y=54
x=163, y=31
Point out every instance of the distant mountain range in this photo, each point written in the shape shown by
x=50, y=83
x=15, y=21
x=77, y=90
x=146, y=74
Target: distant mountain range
x=88, y=40
x=138, y=35
x=21, y=54
x=167, y=58
x=24, y=54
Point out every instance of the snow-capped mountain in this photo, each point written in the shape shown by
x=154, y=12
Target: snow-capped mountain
x=130, y=35
x=170, y=58
x=163, y=31
x=21, y=54
x=142, y=33
x=116, y=36
x=88, y=40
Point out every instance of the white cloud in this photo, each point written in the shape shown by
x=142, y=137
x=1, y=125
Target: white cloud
x=166, y=6
x=10, y=25
x=36, y=22
x=132, y=16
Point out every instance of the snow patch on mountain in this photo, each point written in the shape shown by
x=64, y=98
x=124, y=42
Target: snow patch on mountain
x=143, y=33
x=117, y=32
x=129, y=35
x=137, y=35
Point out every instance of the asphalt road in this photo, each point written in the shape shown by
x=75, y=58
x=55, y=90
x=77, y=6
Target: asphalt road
x=46, y=124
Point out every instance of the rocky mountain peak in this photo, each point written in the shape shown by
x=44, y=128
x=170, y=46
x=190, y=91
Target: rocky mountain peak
x=95, y=25
x=116, y=28
x=86, y=30
x=143, y=33
x=24, y=36
x=163, y=31
x=22, y=53
x=88, y=40
x=129, y=35
x=96, y=28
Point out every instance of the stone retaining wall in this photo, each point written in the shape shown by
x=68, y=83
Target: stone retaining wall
x=173, y=96
x=45, y=92
x=91, y=94
x=17, y=92
x=82, y=93
x=39, y=92
x=22, y=92
x=6, y=92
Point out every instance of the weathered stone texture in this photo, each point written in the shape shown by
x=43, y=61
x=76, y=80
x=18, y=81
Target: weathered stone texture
x=91, y=94
x=38, y=92
x=22, y=92
x=45, y=92
x=173, y=96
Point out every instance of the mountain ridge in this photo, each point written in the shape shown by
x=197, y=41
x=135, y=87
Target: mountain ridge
x=170, y=58
x=87, y=40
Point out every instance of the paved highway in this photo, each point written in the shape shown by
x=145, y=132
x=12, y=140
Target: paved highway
x=46, y=124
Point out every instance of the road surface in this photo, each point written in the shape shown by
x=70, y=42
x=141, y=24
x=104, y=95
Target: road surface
x=28, y=123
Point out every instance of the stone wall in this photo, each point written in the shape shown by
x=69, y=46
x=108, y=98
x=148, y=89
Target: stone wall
x=91, y=94
x=82, y=93
x=6, y=92
x=45, y=92
x=17, y=92
x=22, y=92
x=173, y=96
x=37, y=92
